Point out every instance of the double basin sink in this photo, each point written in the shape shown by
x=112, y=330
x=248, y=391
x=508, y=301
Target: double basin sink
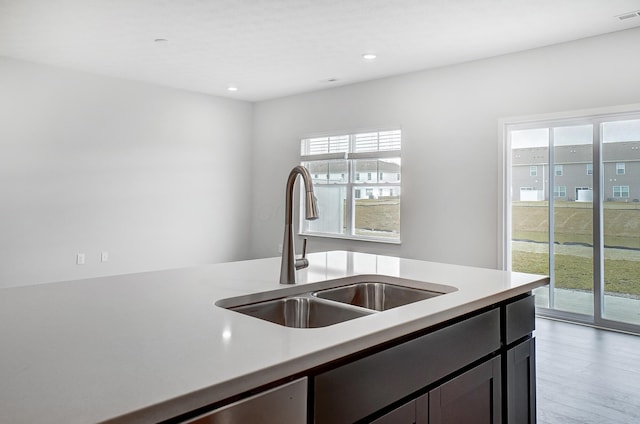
x=331, y=302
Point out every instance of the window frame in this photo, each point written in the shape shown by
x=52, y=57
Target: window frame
x=355, y=181
x=558, y=190
x=620, y=166
x=558, y=170
x=622, y=189
x=595, y=117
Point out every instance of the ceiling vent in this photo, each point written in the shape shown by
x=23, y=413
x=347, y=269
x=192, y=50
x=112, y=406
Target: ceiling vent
x=628, y=15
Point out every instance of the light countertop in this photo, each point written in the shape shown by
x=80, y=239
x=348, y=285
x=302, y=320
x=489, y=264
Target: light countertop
x=150, y=346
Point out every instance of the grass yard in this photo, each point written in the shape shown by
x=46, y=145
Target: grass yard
x=575, y=272
x=573, y=225
x=379, y=215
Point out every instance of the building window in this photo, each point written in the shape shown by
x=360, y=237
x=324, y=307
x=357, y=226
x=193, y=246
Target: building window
x=620, y=191
x=559, y=191
x=620, y=168
x=350, y=206
x=533, y=171
x=558, y=170
x=589, y=169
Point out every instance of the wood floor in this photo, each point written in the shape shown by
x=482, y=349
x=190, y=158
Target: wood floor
x=586, y=375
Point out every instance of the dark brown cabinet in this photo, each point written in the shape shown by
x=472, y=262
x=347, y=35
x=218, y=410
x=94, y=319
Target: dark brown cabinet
x=472, y=397
x=480, y=369
x=406, y=414
x=521, y=383
x=363, y=387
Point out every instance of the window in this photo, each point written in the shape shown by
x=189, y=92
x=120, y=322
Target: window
x=620, y=191
x=359, y=195
x=533, y=171
x=589, y=169
x=559, y=170
x=620, y=168
x=560, y=191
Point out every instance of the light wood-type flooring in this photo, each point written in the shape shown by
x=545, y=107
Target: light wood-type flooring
x=586, y=375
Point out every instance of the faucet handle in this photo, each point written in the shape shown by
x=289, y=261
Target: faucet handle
x=302, y=262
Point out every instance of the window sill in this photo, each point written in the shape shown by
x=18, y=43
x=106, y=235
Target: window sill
x=354, y=238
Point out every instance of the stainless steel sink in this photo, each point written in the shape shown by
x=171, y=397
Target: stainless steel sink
x=333, y=301
x=376, y=296
x=300, y=312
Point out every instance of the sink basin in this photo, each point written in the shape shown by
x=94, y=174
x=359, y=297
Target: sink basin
x=376, y=296
x=300, y=312
x=331, y=302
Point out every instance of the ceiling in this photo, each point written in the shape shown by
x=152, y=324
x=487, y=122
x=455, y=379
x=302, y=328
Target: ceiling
x=274, y=48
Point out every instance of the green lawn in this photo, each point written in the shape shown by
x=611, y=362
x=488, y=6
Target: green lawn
x=573, y=224
x=575, y=272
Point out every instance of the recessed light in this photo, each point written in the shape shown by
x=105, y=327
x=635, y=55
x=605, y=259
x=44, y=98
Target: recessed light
x=369, y=56
x=160, y=40
x=232, y=88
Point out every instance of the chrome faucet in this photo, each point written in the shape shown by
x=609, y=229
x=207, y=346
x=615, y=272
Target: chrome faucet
x=290, y=263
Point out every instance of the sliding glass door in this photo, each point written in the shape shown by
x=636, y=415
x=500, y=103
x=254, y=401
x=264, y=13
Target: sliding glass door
x=574, y=214
x=621, y=220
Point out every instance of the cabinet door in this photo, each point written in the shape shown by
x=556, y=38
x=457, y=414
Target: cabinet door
x=521, y=383
x=473, y=397
x=406, y=414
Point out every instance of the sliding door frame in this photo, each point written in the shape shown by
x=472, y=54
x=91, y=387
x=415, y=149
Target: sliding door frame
x=596, y=118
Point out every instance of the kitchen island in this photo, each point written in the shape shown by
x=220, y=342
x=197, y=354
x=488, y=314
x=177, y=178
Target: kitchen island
x=153, y=346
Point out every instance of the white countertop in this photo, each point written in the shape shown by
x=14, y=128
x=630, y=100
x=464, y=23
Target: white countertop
x=150, y=346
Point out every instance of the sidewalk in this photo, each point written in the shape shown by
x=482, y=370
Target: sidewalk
x=616, y=308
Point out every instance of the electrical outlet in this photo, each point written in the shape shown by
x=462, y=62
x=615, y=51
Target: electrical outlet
x=104, y=257
x=80, y=259
x=280, y=248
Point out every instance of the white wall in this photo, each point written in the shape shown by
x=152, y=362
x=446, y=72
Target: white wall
x=151, y=175
x=449, y=117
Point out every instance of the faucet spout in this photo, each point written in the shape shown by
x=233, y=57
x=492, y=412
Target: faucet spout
x=289, y=263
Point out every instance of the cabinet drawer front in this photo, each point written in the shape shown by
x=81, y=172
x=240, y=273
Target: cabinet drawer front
x=283, y=404
x=355, y=390
x=520, y=319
